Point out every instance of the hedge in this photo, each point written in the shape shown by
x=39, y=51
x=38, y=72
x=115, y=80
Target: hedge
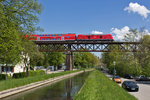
x=31, y=73
x=37, y=72
x=20, y=75
x=3, y=76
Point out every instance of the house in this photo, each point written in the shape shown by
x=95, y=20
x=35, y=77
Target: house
x=10, y=69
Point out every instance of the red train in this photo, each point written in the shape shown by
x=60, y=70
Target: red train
x=67, y=37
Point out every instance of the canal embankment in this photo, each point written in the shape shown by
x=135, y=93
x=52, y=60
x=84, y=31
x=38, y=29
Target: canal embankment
x=47, y=79
x=99, y=87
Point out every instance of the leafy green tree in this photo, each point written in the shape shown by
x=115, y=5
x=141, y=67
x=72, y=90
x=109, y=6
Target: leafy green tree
x=18, y=17
x=85, y=60
x=23, y=13
x=10, y=42
x=30, y=51
x=134, y=63
x=56, y=59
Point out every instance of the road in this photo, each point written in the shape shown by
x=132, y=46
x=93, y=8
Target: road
x=144, y=89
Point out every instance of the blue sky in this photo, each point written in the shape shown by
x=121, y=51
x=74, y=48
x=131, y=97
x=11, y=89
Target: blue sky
x=85, y=16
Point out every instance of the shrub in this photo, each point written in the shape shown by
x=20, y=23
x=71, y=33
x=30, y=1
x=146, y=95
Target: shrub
x=3, y=76
x=20, y=75
x=37, y=72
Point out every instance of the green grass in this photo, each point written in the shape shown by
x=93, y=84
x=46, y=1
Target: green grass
x=98, y=87
x=12, y=83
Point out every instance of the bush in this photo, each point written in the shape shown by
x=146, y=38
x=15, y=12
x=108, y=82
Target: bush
x=3, y=76
x=37, y=72
x=20, y=75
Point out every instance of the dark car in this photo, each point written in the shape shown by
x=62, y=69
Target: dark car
x=130, y=86
x=128, y=76
x=142, y=78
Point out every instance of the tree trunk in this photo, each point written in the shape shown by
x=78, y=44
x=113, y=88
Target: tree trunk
x=27, y=71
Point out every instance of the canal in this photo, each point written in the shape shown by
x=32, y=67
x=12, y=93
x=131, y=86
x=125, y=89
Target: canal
x=62, y=90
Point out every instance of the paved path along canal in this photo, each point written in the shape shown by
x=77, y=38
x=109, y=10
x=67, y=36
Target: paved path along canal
x=63, y=90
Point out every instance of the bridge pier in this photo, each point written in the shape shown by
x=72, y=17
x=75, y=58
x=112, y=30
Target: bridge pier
x=69, y=59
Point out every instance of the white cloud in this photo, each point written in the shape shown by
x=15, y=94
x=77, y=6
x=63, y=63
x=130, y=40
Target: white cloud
x=146, y=32
x=96, y=32
x=137, y=8
x=119, y=33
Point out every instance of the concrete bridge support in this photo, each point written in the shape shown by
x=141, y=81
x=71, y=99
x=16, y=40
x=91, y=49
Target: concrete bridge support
x=69, y=59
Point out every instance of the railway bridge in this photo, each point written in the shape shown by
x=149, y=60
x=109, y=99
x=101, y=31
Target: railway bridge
x=85, y=46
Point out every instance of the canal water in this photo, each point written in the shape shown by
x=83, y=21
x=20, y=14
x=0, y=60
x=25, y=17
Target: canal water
x=62, y=90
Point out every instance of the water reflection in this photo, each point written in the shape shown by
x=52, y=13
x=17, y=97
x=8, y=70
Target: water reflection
x=63, y=90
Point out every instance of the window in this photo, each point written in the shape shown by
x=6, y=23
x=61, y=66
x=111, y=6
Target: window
x=51, y=39
x=54, y=39
x=60, y=34
x=67, y=36
x=57, y=34
x=54, y=34
x=57, y=38
x=43, y=35
x=48, y=35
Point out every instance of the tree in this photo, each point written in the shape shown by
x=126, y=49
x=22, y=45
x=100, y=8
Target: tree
x=10, y=43
x=29, y=52
x=134, y=63
x=23, y=13
x=56, y=59
x=85, y=60
x=17, y=17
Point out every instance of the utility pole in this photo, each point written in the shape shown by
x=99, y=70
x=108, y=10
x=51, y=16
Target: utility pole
x=114, y=72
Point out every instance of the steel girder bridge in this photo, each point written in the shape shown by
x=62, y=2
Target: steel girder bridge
x=85, y=46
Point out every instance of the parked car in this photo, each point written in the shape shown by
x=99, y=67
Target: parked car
x=128, y=76
x=130, y=86
x=142, y=78
x=116, y=79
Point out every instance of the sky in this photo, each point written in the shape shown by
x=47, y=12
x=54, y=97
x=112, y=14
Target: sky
x=114, y=17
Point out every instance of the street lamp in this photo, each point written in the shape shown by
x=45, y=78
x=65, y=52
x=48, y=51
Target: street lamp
x=114, y=72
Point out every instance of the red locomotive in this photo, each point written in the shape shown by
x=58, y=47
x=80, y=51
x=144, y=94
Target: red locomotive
x=69, y=37
x=95, y=37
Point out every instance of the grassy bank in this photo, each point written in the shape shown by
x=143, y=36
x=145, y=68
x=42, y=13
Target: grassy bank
x=98, y=87
x=12, y=83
